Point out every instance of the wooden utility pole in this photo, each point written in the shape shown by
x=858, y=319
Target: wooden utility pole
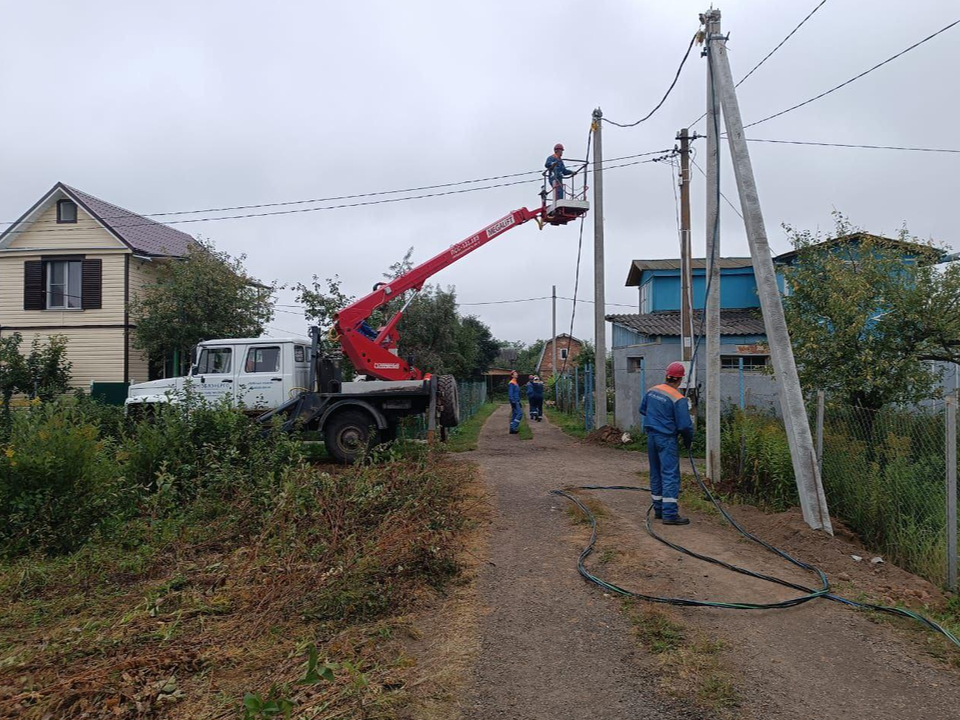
x=686, y=272
x=712, y=360
x=556, y=385
x=802, y=451
x=599, y=307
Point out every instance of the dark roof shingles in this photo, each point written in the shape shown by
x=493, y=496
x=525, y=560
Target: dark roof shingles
x=667, y=322
x=142, y=234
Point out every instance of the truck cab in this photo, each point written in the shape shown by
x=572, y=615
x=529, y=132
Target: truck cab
x=256, y=374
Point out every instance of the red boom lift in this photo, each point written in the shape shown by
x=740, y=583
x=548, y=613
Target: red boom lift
x=346, y=412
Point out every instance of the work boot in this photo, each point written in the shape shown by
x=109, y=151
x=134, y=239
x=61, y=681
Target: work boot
x=657, y=515
x=676, y=521
x=514, y=432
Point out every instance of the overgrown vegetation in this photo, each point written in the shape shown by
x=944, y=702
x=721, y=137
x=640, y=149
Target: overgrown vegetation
x=867, y=314
x=883, y=474
x=468, y=432
x=187, y=565
x=208, y=295
x=41, y=374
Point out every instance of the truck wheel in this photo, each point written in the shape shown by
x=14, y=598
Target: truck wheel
x=347, y=435
x=448, y=401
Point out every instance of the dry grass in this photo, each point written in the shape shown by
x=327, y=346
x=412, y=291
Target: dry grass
x=193, y=627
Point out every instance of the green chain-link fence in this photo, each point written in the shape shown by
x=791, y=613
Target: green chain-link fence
x=472, y=395
x=884, y=473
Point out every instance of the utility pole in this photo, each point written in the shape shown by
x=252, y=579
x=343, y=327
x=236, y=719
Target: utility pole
x=599, y=317
x=712, y=308
x=686, y=272
x=802, y=451
x=556, y=385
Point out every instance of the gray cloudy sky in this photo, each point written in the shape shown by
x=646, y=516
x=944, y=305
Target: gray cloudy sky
x=186, y=105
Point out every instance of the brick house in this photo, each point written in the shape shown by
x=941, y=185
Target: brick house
x=568, y=348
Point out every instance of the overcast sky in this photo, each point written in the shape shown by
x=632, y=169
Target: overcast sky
x=188, y=105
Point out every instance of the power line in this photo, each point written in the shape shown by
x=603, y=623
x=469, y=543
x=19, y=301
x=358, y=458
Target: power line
x=735, y=208
x=767, y=56
x=851, y=145
x=287, y=203
x=669, y=90
x=780, y=44
x=855, y=77
x=337, y=207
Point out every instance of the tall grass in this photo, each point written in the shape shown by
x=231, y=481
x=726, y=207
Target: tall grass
x=883, y=475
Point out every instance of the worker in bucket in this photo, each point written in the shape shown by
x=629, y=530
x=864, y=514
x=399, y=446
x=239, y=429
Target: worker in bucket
x=557, y=171
x=516, y=411
x=666, y=414
x=535, y=397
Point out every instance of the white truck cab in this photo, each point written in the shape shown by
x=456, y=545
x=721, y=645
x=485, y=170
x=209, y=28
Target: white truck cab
x=254, y=373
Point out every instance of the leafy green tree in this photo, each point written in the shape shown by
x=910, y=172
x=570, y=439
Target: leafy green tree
x=867, y=315
x=205, y=296
x=322, y=300
x=528, y=356
x=43, y=373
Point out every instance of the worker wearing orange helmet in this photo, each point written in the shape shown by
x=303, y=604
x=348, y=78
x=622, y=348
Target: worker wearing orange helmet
x=557, y=171
x=666, y=414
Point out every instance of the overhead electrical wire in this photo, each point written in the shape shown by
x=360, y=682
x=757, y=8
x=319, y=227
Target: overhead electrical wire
x=854, y=145
x=735, y=208
x=855, y=77
x=332, y=207
x=287, y=203
x=769, y=54
x=666, y=95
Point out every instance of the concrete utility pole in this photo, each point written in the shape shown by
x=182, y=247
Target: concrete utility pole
x=712, y=308
x=599, y=307
x=556, y=385
x=686, y=272
x=802, y=451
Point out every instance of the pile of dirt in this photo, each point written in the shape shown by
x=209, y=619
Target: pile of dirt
x=609, y=435
x=836, y=556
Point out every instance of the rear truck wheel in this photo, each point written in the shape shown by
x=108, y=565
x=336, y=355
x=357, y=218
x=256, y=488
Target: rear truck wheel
x=448, y=401
x=347, y=435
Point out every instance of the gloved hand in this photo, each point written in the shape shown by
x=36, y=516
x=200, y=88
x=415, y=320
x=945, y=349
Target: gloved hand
x=687, y=442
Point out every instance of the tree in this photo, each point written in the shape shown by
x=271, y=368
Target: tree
x=431, y=330
x=43, y=374
x=207, y=295
x=527, y=356
x=867, y=316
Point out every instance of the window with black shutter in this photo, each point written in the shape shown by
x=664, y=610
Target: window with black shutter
x=34, y=296
x=91, y=292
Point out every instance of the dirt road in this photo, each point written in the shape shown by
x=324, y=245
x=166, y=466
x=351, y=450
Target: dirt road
x=552, y=646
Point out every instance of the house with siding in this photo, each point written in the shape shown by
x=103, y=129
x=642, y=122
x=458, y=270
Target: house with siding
x=70, y=266
x=646, y=342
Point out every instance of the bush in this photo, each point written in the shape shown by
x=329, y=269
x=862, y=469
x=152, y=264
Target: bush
x=755, y=459
x=73, y=467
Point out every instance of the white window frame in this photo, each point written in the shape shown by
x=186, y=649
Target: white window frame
x=69, y=293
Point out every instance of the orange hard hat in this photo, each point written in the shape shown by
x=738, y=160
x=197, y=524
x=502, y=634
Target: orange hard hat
x=676, y=370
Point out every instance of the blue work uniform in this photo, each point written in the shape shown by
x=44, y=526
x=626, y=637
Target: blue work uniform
x=666, y=414
x=535, y=397
x=556, y=171
x=516, y=411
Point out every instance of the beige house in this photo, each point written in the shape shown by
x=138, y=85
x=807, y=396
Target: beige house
x=69, y=266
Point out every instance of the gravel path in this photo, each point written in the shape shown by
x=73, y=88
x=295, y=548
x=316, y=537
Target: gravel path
x=554, y=647
x=551, y=646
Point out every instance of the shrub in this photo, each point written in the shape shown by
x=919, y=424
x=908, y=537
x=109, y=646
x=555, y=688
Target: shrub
x=755, y=459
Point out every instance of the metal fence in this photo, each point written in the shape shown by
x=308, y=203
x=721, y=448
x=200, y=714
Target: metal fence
x=888, y=474
x=573, y=394
x=472, y=395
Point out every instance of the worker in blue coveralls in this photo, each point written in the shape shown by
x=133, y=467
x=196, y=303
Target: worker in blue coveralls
x=557, y=171
x=535, y=397
x=516, y=411
x=666, y=414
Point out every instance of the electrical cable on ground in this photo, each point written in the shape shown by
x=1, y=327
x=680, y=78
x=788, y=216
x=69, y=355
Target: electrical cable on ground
x=666, y=95
x=855, y=77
